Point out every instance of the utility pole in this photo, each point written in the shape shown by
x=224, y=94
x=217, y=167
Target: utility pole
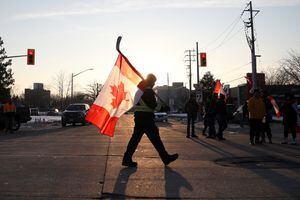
x=197, y=59
x=168, y=79
x=251, y=41
x=189, y=60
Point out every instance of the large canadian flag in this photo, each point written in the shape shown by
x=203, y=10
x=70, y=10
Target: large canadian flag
x=121, y=91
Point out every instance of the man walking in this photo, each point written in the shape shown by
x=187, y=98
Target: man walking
x=144, y=123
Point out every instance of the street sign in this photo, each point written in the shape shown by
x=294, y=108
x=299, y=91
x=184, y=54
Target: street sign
x=199, y=96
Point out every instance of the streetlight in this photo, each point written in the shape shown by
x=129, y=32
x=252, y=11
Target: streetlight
x=73, y=75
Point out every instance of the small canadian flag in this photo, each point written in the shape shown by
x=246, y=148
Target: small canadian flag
x=275, y=106
x=219, y=89
x=121, y=91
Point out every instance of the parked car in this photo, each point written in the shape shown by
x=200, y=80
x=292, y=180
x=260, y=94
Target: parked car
x=53, y=112
x=75, y=113
x=161, y=116
x=230, y=110
x=34, y=111
x=238, y=116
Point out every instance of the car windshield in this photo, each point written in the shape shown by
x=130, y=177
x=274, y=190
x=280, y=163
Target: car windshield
x=76, y=107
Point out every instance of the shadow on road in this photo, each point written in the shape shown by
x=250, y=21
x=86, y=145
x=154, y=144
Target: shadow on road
x=26, y=133
x=119, y=191
x=285, y=182
x=163, y=124
x=174, y=181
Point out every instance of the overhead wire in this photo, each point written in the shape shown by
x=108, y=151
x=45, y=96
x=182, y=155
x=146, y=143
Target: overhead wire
x=219, y=36
x=234, y=80
x=225, y=38
x=236, y=68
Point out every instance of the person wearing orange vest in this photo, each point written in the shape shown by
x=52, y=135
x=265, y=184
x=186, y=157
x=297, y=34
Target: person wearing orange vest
x=257, y=112
x=9, y=110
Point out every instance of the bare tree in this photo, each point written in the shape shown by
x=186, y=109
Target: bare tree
x=291, y=67
x=275, y=76
x=62, y=84
x=93, y=90
x=287, y=73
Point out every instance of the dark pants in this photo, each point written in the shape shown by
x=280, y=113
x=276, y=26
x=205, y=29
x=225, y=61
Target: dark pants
x=222, y=122
x=255, y=129
x=152, y=132
x=9, y=121
x=289, y=127
x=211, y=125
x=205, y=121
x=266, y=129
x=190, y=122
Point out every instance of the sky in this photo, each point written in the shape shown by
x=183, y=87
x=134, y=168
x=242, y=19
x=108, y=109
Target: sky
x=70, y=36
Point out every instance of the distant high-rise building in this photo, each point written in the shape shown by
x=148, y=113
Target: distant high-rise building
x=37, y=97
x=38, y=86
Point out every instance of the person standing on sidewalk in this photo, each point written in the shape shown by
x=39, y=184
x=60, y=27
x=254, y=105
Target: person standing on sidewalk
x=191, y=108
x=289, y=113
x=211, y=117
x=268, y=118
x=144, y=123
x=221, y=116
x=9, y=110
x=257, y=112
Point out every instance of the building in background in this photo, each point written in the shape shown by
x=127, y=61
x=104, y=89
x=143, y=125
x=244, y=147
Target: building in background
x=240, y=94
x=37, y=97
x=175, y=96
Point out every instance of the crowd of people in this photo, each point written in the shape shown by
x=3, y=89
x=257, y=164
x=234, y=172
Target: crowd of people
x=258, y=109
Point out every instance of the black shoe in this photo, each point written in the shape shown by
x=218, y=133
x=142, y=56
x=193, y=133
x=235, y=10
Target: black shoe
x=194, y=136
x=251, y=143
x=187, y=136
x=170, y=159
x=221, y=138
x=129, y=163
x=258, y=142
x=211, y=137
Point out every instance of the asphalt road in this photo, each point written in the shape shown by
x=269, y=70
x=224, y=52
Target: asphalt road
x=78, y=163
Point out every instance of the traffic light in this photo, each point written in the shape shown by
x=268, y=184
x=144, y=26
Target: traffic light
x=30, y=56
x=203, y=62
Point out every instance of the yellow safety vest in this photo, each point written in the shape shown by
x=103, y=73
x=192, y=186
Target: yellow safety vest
x=142, y=107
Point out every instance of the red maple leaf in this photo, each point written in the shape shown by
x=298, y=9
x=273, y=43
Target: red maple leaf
x=119, y=94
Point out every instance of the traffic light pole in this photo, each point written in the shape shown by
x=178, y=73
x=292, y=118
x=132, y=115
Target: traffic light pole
x=16, y=56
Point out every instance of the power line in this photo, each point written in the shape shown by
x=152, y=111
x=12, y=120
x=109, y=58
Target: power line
x=227, y=28
x=225, y=41
x=236, y=68
x=234, y=79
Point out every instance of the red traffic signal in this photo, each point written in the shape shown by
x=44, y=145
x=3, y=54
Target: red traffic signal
x=203, y=62
x=30, y=56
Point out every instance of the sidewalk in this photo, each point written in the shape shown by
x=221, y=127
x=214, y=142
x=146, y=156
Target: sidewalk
x=206, y=168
